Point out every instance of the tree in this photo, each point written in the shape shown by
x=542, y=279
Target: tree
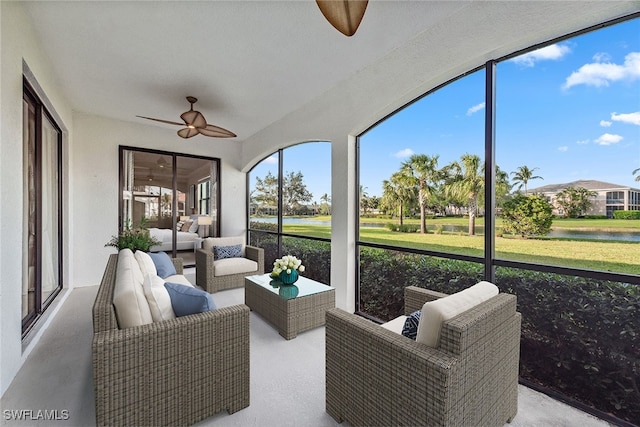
x=522, y=176
x=266, y=191
x=637, y=172
x=325, y=207
x=396, y=191
x=422, y=172
x=575, y=201
x=467, y=185
x=527, y=215
x=294, y=192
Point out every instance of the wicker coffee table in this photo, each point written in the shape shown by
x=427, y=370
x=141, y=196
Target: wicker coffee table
x=289, y=308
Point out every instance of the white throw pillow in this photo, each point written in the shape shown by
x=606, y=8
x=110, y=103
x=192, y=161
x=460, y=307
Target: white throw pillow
x=193, y=228
x=158, y=298
x=146, y=263
x=436, y=312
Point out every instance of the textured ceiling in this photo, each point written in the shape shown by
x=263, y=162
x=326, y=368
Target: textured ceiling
x=251, y=64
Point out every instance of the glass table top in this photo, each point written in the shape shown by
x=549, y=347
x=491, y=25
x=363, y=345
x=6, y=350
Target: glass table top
x=303, y=286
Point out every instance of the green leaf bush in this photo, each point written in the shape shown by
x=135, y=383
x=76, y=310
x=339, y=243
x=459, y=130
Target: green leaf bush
x=134, y=238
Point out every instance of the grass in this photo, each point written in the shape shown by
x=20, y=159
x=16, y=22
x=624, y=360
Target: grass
x=619, y=257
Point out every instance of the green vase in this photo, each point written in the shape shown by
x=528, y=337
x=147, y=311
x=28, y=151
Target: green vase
x=288, y=291
x=289, y=278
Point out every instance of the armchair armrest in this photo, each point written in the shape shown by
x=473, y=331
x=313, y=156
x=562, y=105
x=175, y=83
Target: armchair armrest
x=166, y=366
x=373, y=375
x=178, y=264
x=256, y=254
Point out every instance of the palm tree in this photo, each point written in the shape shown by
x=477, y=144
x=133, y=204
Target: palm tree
x=523, y=175
x=422, y=171
x=467, y=184
x=637, y=171
x=396, y=191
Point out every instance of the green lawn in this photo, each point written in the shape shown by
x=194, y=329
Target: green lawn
x=619, y=257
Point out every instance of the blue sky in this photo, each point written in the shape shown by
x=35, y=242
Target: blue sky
x=571, y=110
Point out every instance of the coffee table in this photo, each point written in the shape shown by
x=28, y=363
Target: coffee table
x=289, y=308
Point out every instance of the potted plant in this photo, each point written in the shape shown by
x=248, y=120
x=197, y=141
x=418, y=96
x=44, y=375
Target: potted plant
x=134, y=238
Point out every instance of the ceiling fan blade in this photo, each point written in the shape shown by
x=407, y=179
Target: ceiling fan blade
x=162, y=121
x=187, y=132
x=344, y=15
x=194, y=118
x=216, y=132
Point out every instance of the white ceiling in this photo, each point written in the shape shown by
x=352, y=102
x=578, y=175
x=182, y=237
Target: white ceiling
x=253, y=64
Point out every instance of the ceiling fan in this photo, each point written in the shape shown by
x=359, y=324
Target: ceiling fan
x=344, y=15
x=195, y=124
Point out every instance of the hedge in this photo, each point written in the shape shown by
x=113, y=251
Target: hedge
x=626, y=214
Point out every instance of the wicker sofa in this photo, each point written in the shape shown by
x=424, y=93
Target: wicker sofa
x=214, y=274
x=377, y=377
x=170, y=372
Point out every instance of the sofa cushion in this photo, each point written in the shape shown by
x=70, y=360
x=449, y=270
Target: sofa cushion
x=193, y=227
x=187, y=300
x=231, y=251
x=158, y=298
x=437, y=311
x=410, y=327
x=395, y=325
x=178, y=278
x=146, y=263
x=129, y=301
x=164, y=265
x=210, y=242
x=224, y=267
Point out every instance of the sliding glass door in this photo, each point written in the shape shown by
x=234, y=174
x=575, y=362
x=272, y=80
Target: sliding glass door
x=175, y=196
x=42, y=140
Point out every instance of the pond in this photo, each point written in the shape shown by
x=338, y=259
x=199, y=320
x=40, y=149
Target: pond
x=625, y=236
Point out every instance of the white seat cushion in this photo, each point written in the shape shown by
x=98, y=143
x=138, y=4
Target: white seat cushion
x=158, y=298
x=436, y=312
x=132, y=308
x=396, y=324
x=224, y=267
x=178, y=278
x=146, y=263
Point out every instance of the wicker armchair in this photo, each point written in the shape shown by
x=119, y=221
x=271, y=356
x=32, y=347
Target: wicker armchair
x=173, y=372
x=213, y=275
x=376, y=377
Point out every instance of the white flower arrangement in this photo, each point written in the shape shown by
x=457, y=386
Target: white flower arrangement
x=287, y=264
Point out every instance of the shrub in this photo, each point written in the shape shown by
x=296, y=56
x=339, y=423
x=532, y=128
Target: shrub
x=404, y=228
x=626, y=214
x=527, y=215
x=134, y=238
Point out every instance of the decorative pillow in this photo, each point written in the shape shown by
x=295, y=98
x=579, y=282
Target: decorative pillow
x=186, y=300
x=158, y=298
x=222, y=252
x=193, y=228
x=164, y=265
x=186, y=226
x=410, y=328
x=145, y=263
x=179, y=225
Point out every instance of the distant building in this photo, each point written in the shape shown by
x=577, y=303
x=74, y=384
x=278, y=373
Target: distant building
x=611, y=197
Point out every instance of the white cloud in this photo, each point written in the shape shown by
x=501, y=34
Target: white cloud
x=582, y=142
x=601, y=57
x=475, y=108
x=271, y=160
x=631, y=118
x=549, y=53
x=563, y=148
x=605, y=123
x=608, y=139
x=603, y=73
x=407, y=152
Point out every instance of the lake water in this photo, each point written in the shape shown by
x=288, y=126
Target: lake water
x=627, y=236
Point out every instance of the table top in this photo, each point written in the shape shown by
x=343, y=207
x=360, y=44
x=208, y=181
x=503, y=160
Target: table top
x=301, y=288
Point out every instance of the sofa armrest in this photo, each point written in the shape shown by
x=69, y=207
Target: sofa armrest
x=167, y=366
x=178, y=263
x=373, y=374
x=256, y=254
x=414, y=298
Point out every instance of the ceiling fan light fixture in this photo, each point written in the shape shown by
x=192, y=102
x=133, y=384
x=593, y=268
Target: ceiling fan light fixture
x=344, y=15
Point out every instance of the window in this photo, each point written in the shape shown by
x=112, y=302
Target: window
x=290, y=207
x=42, y=139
